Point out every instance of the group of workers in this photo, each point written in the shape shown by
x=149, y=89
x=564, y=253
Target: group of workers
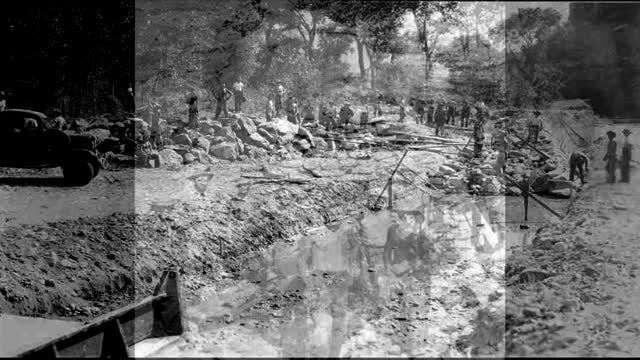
x=611, y=157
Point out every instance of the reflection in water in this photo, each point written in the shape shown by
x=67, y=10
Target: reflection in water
x=352, y=276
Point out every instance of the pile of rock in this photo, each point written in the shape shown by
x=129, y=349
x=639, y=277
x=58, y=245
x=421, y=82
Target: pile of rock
x=236, y=138
x=480, y=175
x=549, y=173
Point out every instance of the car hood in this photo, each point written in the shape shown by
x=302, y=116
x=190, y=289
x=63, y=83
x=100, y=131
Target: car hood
x=82, y=140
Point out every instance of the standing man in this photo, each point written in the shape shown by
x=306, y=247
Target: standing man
x=610, y=157
x=292, y=110
x=346, y=114
x=465, y=114
x=451, y=113
x=270, y=110
x=307, y=113
x=430, y=112
x=156, y=133
x=578, y=162
x=222, y=96
x=279, y=92
x=440, y=117
x=478, y=129
x=238, y=95
x=403, y=110
x=534, y=126
x=193, y=111
x=625, y=167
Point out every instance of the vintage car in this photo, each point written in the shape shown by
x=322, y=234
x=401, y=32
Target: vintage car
x=28, y=140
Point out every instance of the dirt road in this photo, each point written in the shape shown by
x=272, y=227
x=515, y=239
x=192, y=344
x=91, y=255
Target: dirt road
x=40, y=196
x=584, y=302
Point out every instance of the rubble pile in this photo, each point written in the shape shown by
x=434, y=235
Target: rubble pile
x=567, y=131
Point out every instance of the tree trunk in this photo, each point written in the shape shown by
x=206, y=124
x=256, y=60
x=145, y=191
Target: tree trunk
x=360, y=47
x=373, y=65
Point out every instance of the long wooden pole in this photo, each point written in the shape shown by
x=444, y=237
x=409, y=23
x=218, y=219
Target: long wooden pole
x=393, y=173
x=531, y=146
x=532, y=196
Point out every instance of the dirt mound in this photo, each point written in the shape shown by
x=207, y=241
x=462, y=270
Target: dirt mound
x=83, y=268
x=74, y=268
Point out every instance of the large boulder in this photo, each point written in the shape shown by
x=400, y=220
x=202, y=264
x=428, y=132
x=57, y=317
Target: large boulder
x=227, y=133
x=541, y=184
x=180, y=149
x=100, y=134
x=170, y=159
x=202, y=143
x=301, y=145
x=562, y=193
x=226, y=151
x=182, y=139
x=188, y=158
x=240, y=146
x=79, y=125
x=491, y=186
x=210, y=127
x=201, y=156
x=213, y=140
x=256, y=139
x=281, y=127
x=267, y=136
x=98, y=122
x=245, y=124
x=555, y=184
x=254, y=152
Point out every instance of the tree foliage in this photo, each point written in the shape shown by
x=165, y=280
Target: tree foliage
x=531, y=78
x=77, y=58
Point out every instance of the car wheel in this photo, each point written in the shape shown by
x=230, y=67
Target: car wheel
x=78, y=172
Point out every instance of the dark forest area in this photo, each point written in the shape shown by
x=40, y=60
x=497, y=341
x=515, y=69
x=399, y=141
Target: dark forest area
x=73, y=56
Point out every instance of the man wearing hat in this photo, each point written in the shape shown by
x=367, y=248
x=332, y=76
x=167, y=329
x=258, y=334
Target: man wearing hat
x=610, y=157
x=534, y=126
x=625, y=167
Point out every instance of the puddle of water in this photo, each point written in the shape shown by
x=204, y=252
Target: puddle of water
x=325, y=289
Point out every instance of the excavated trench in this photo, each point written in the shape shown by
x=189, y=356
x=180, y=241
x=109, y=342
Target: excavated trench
x=419, y=279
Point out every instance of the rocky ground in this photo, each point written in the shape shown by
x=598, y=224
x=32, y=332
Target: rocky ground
x=271, y=228
x=572, y=290
x=49, y=247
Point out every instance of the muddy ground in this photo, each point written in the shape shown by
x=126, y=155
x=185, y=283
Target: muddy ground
x=62, y=262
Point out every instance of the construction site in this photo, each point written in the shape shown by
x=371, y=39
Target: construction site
x=386, y=230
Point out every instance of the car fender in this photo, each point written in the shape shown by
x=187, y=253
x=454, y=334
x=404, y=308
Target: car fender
x=85, y=155
x=62, y=140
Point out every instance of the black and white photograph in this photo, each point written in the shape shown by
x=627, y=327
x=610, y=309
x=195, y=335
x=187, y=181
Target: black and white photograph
x=319, y=178
x=67, y=204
